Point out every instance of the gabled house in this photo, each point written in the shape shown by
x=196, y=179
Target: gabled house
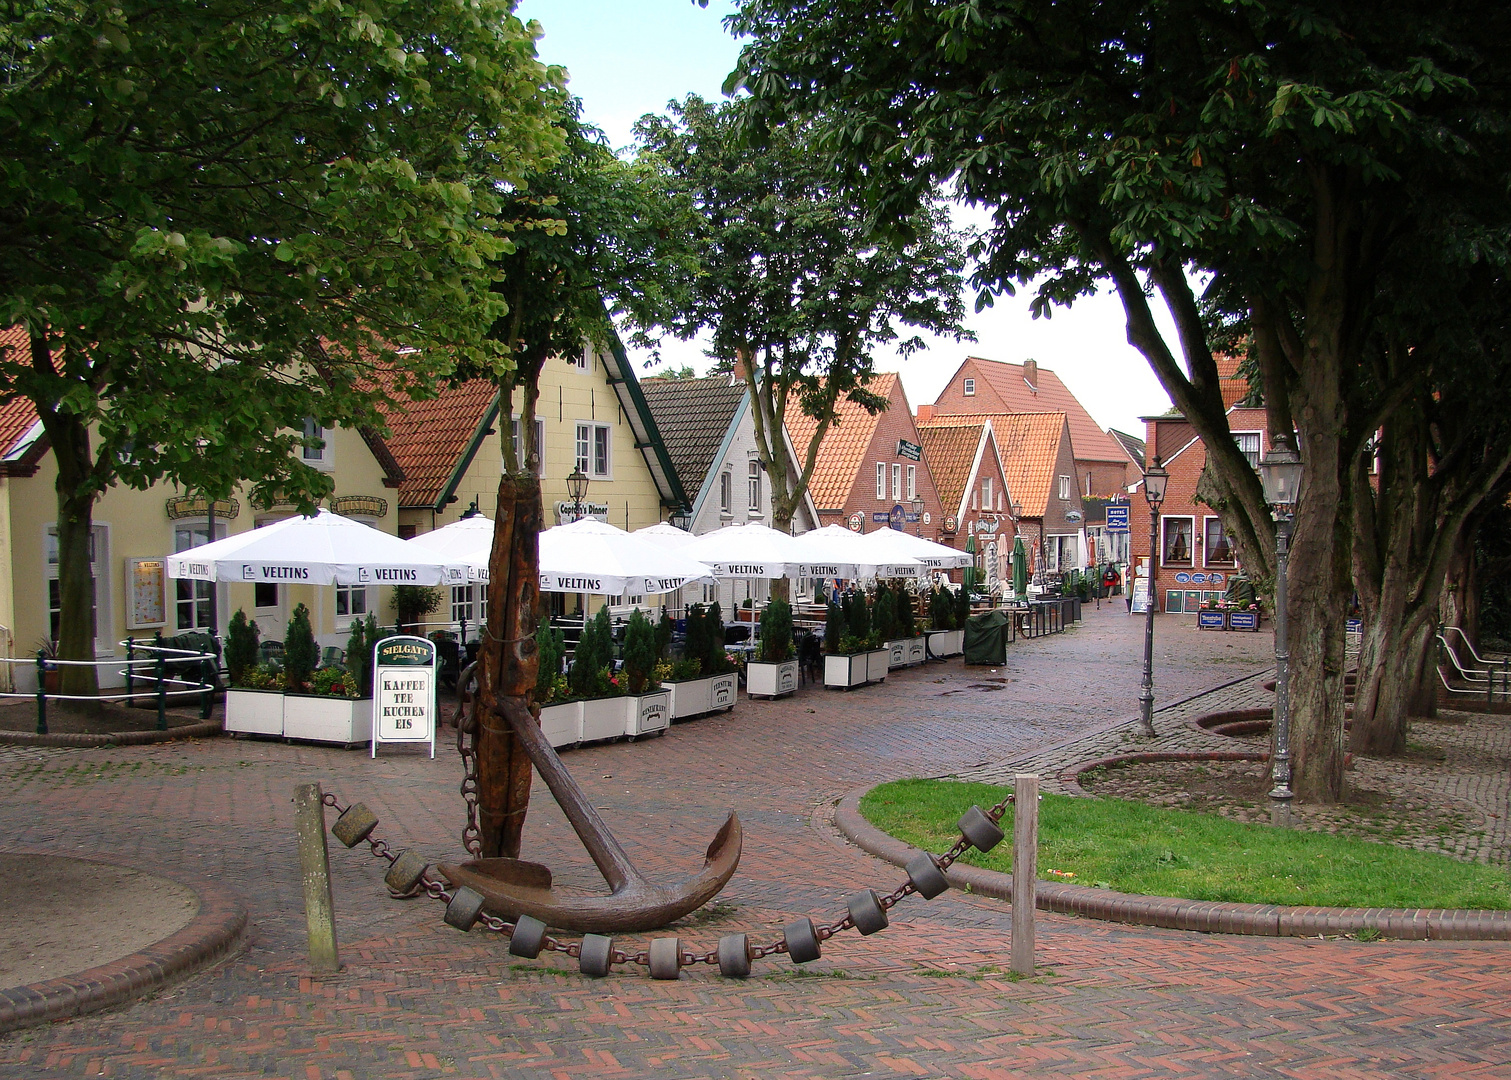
x=990, y=387
x=591, y=415
x=967, y=469
x=1038, y=465
x=134, y=530
x=871, y=468
x=1195, y=559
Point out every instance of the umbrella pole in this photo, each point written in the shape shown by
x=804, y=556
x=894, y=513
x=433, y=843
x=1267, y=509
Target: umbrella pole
x=507, y=664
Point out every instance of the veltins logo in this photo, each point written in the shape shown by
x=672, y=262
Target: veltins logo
x=248, y=573
x=362, y=574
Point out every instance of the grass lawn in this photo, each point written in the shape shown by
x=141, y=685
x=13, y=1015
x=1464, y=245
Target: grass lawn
x=1136, y=848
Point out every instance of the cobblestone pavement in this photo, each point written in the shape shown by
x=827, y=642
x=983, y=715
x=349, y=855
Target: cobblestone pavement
x=926, y=998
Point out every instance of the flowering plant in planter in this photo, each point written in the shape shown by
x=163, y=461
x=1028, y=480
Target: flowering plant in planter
x=333, y=682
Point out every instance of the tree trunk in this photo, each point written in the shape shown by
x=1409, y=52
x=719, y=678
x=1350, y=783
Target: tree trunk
x=1389, y=673
x=1424, y=688
x=507, y=664
x=76, y=587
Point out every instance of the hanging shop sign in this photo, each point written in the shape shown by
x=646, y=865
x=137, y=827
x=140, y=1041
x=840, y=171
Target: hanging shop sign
x=910, y=450
x=360, y=506
x=196, y=506
x=404, y=691
x=857, y=521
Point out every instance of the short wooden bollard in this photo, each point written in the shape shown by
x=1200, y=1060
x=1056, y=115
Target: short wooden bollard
x=1025, y=870
x=315, y=869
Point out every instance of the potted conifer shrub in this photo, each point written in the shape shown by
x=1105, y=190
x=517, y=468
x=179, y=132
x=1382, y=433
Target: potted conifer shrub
x=254, y=697
x=854, y=655
x=594, y=682
x=647, y=706
x=560, y=713
x=320, y=704
x=773, y=673
x=945, y=638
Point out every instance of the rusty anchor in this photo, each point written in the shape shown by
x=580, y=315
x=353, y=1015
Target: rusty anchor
x=514, y=887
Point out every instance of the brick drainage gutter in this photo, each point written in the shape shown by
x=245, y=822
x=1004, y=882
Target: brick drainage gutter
x=207, y=730
x=216, y=931
x=1265, y=920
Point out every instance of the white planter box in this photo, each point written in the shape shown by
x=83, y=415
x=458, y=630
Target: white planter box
x=328, y=719
x=647, y=714
x=602, y=718
x=254, y=712
x=856, y=670
x=688, y=698
x=770, y=680
x=946, y=642
x=562, y=724
x=905, y=652
x=722, y=690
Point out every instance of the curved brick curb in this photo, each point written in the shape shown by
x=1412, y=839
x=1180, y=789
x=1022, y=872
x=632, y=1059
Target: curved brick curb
x=215, y=931
x=1071, y=777
x=1265, y=920
x=207, y=730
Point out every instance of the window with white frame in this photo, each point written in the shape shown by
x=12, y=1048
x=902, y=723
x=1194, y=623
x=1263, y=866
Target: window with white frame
x=754, y=485
x=593, y=449
x=469, y=603
x=1065, y=487
x=881, y=481
x=317, y=450
x=896, y=483
x=582, y=359
x=969, y=386
x=351, y=603
x=519, y=446
x=986, y=493
x=1248, y=445
x=265, y=595
x=1062, y=552
x=726, y=492
x=99, y=571
x=974, y=496
x=912, y=481
x=1218, y=547
x=194, y=601
x=1176, y=549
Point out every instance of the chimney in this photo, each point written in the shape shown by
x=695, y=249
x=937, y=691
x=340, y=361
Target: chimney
x=741, y=368
x=1031, y=374
x=925, y=412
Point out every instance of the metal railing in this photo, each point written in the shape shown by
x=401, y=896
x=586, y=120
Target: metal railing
x=157, y=660
x=1488, y=676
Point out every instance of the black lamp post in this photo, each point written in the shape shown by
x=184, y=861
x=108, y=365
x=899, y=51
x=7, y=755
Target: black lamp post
x=1155, y=479
x=680, y=518
x=917, y=515
x=577, y=487
x=1280, y=472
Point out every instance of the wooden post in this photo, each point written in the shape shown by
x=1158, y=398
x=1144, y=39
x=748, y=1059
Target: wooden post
x=507, y=664
x=1025, y=869
x=315, y=870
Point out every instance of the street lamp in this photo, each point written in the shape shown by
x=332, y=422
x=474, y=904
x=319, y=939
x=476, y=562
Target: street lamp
x=577, y=487
x=681, y=518
x=917, y=515
x=1155, y=479
x=1280, y=471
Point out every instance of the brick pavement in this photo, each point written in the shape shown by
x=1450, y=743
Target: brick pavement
x=925, y=998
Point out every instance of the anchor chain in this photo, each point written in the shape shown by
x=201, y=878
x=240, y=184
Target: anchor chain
x=791, y=942
x=466, y=724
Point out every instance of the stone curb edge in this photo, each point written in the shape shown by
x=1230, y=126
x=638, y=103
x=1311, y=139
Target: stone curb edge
x=207, y=730
x=1264, y=920
x=217, y=930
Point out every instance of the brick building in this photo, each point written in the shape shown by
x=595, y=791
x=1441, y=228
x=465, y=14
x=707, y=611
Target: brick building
x=987, y=387
x=962, y=455
x=1195, y=557
x=864, y=477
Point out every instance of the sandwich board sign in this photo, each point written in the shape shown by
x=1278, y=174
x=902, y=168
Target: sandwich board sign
x=404, y=691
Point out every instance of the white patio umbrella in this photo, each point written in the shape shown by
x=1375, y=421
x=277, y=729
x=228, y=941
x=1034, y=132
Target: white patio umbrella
x=665, y=535
x=468, y=542
x=326, y=549
x=591, y=556
x=835, y=551
x=747, y=551
x=933, y=556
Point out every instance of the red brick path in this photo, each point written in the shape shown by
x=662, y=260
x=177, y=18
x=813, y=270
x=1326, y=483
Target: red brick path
x=925, y=998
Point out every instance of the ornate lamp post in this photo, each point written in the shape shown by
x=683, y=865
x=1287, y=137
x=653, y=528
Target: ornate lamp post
x=1155, y=479
x=680, y=518
x=577, y=487
x=1280, y=472
x=917, y=515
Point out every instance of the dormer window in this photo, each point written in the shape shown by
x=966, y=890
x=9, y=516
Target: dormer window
x=970, y=387
x=582, y=360
x=317, y=450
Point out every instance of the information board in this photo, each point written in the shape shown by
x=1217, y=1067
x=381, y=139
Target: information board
x=1140, y=595
x=404, y=691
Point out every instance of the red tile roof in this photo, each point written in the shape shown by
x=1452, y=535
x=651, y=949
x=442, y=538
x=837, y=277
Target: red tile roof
x=1029, y=444
x=949, y=446
x=1051, y=395
x=429, y=437
x=844, y=448
x=18, y=414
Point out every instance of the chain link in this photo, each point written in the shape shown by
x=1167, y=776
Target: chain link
x=472, y=835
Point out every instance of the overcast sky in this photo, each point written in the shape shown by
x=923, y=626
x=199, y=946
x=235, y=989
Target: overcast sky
x=630, y=57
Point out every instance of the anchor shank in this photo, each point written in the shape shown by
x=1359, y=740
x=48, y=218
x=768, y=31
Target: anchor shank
x=607, y=855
